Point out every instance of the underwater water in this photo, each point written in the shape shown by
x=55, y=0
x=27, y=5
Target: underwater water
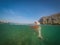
x=24, y=35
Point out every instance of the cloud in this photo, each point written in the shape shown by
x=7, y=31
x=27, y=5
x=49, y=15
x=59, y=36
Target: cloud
x=8, y=11
x=12, y=16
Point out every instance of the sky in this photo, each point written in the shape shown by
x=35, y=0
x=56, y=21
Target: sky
x=27, y=11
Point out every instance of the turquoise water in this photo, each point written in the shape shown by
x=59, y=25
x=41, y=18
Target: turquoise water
x=24, y=35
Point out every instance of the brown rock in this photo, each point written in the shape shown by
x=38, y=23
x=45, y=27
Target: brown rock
x=53, y=19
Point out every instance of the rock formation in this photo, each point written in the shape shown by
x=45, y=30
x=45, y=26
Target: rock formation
x=53, y=19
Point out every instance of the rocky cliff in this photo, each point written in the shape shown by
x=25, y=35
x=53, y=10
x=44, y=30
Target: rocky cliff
x=53, y=19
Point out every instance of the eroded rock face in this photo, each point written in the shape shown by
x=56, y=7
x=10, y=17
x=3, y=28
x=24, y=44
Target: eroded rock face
x=53, y=19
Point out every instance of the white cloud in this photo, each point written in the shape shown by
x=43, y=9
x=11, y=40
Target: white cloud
x=12, y=16
x=8, y=11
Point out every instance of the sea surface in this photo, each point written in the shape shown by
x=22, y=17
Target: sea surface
x=25, y=35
